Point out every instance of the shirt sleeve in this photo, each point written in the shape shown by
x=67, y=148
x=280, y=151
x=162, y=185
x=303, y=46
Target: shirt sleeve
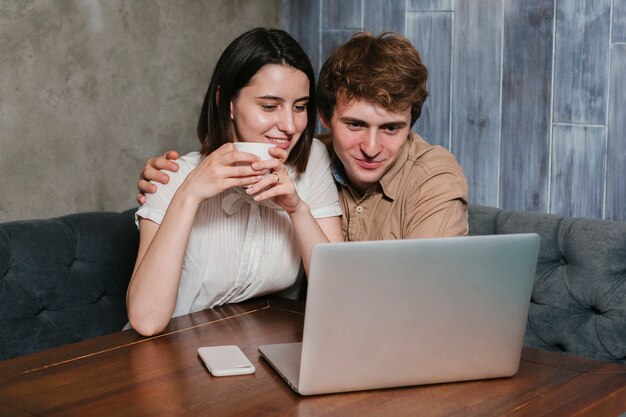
x=157, y=203
x=321, y=192
x=438, y=206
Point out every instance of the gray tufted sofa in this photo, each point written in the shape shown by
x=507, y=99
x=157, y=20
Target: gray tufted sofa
x=64, y=280
x=578, y=303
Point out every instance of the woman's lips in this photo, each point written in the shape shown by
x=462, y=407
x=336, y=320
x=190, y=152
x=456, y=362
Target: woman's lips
x=280, y=143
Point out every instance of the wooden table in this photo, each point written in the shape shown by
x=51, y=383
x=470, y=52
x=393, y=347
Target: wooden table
x=122, y=374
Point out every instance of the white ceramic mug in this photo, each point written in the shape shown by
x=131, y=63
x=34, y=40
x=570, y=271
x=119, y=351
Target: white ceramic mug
x=259, y=149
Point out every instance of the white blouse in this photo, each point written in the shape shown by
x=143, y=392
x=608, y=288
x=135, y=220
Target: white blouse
x=239, y=249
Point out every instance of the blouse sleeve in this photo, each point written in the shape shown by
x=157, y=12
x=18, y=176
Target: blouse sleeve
x=156, y=204
x=321, y=192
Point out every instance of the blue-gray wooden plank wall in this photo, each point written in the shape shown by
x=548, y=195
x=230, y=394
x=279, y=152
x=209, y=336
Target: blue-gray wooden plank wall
x=528, y=95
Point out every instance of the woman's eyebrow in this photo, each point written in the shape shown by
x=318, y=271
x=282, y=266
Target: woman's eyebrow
x=270, y=97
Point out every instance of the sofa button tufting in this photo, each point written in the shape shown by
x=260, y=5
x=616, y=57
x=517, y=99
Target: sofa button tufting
x=594, y=310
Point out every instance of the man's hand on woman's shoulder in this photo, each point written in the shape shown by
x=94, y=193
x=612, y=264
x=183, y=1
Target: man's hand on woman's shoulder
x=152, y=172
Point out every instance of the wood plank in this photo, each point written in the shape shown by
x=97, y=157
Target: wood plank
x=616, y=163
x=619, y=20
x=161, y=376
x=6, y=411
x=587, y=402
x=331, y=39
x=581, y=61
x=345, y=14
x=384, y=16
x=165, y=377
x=68, y=353
x=476, y=75
x=430, y=5
x=578, y=170
x=301, y=20
x=431, y=33
x=526, y=101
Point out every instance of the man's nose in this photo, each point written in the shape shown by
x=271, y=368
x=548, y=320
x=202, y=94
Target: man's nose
x=285, y=121
x=370, y=145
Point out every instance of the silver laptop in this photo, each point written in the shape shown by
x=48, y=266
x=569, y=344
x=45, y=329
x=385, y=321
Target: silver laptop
x=383, y=314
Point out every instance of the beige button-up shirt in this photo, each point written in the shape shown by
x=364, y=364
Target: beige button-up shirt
x=424, y=194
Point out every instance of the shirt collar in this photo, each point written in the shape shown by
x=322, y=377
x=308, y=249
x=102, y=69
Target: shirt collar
x=339, y=172
x=390, y=182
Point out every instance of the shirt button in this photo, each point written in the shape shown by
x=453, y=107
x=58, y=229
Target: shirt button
x=359, y=209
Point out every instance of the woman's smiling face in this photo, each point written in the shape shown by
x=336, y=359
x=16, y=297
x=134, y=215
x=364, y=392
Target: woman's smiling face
x=272, y=108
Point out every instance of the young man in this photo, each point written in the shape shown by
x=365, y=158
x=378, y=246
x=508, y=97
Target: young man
x=392, y=183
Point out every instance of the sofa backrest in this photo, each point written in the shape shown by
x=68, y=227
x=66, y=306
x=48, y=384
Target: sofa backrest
x=578, y=303
x=64, y=279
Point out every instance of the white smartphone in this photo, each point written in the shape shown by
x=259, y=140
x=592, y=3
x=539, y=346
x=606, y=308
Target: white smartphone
x=225, y=360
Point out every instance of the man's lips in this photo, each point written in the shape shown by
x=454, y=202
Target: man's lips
x=368, y=164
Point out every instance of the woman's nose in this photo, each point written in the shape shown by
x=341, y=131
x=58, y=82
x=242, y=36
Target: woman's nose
x=285, y=122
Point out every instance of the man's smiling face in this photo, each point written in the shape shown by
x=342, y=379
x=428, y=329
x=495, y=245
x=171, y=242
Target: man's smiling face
x=367, y=139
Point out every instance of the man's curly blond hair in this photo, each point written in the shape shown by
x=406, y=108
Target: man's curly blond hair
x=385, y=70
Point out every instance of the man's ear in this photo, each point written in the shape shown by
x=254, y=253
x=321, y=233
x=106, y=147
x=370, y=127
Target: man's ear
x=325, y=123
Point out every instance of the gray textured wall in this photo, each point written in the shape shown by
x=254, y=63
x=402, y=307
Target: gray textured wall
x=528, y=94
x=89, y=89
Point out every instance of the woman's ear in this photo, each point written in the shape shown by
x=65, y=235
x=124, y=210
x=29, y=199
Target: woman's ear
x=217, y=100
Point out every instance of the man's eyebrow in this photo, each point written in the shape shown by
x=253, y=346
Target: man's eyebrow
x=399, y=124
x=270, y=97
x=353, y=120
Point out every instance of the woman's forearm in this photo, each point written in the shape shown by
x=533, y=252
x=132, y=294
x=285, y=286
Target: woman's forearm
x=310, y=231
x=153, y=289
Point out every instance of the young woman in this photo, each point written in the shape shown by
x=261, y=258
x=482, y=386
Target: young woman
x=228, y=227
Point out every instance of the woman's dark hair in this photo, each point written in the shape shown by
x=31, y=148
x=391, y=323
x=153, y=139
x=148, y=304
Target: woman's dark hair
x=241, y=60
